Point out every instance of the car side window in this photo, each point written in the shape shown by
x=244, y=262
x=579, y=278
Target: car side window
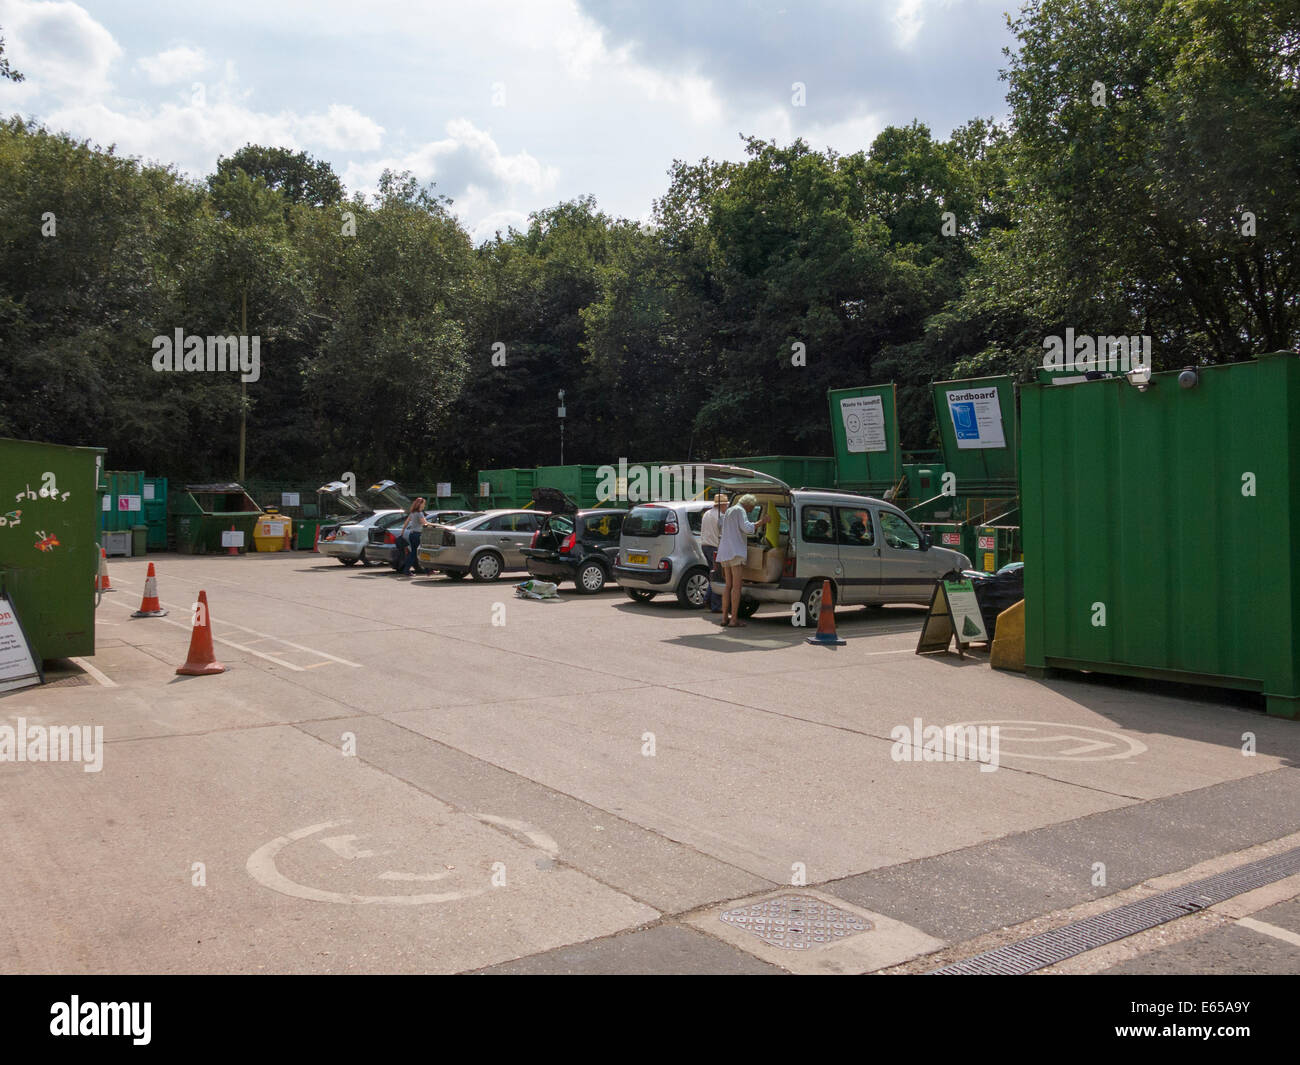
x=898, y=533
x=855, y=527
x=504, y=523
x=525, y=522
x=695, y=519
x=604, y=529
x=816, y=525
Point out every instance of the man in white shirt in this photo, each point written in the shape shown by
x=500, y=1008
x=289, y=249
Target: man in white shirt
x=710, y=537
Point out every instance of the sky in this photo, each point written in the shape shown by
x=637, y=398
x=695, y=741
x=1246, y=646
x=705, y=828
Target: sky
x=506, y=107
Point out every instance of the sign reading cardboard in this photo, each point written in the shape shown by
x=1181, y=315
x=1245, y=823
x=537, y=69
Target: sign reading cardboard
x=18, y=666
x=864, y=423
x=976, y=417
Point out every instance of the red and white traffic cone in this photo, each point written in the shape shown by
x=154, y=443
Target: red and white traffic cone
x=202, y=659
x=101, y=578
x=149, y=605
x=826, y=635
x=232, y=549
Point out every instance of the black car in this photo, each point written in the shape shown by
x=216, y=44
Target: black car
x=577, y=546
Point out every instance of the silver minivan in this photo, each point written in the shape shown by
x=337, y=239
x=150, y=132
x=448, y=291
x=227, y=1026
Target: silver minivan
x=659, y=551
x=868, y=549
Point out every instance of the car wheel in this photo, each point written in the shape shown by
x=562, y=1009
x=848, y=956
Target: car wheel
x=640, y=595
x=812, y=601
x=487, y=567
x=591, y=578
x=456, y=575
x=693, y=590
x=348, y=561
x=748, y=607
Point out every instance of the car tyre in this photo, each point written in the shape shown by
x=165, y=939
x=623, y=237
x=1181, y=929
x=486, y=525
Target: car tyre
x=812, y=602
x=748, y=607
x=488, y=566
x=456, y=574
x=591, y=578
x=693, y=588
x=639, y=595
x=348, y=561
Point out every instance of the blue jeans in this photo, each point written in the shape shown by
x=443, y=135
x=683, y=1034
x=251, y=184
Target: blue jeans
x=412, y=545
x=715, y=600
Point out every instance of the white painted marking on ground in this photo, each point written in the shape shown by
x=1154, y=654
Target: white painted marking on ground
x=1264, y=928
x=231, y=643
x=100, y=677
x=345, y=847
x=287, y=643
x=262, y=868
x=390, y=875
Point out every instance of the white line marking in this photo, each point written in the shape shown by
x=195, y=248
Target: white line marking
x=287, y=643
x=231, y=643
x=94, y=672
x=1284, y=934
x=535, y=836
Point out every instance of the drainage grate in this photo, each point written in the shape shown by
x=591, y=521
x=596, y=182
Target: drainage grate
x=1048, y=948
x=796, y=922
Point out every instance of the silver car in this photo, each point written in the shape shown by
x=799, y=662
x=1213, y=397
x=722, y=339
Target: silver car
x=382, y=546
x=659, y=551
x=348, y=542
x=484, y=547
x=868, y=549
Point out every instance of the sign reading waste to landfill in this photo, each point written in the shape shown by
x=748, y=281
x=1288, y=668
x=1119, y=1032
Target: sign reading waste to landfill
x=976, y=417
x=18, y=667
x=864, y=423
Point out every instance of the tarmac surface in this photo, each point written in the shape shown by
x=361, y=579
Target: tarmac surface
x=420, y=775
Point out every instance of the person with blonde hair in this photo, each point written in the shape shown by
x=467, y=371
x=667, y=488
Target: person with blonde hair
x=732, y=553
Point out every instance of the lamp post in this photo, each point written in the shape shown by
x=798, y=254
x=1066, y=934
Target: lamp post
x=560, y=414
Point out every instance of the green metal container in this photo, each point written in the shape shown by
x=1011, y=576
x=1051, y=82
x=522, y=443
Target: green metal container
x=49, y=542
x=864, y=434
x=304, y=533
x=139, y=540
x=200, y=513
x=579, y=483
x=155, y=511
x=125, y=507
x=515, y=485
x=977, y=426
x=1162, y=527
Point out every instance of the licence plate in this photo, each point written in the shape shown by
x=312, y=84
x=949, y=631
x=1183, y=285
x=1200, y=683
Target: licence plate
x=637, y=560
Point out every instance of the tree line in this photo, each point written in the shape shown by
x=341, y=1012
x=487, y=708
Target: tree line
x=1147, y=181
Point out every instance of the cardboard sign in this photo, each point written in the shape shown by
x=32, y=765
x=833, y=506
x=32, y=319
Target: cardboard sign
x=18, y=666
x=954, y=614
x=976, y=417
x=232, y=539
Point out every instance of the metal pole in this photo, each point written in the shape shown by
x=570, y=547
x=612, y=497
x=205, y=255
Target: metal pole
x=243, y=389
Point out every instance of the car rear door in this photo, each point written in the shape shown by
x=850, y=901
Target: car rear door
x=512, y=533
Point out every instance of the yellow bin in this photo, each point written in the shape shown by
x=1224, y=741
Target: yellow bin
x=272, y=531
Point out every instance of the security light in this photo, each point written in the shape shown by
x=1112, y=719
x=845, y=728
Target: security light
x=1189, y=378
x=1140, y=377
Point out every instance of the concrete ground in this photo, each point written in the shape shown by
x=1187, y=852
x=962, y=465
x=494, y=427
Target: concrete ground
x=425, y=776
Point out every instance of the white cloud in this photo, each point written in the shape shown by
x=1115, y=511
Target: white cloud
x=341, y=128
x=173, y=65
x=908, y=20
x=58, y=47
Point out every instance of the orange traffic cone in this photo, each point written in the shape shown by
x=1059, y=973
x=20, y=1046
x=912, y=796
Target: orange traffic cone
x=101, y=578
x=149, y=605
x=288, y=544
x=316, y=543
x=232, y=549
x=826, y=635
x=202, y=660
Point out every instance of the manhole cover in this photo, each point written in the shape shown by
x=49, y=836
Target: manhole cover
x=796, y=922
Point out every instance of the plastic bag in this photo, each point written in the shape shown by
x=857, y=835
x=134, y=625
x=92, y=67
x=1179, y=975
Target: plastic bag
x=536, y=590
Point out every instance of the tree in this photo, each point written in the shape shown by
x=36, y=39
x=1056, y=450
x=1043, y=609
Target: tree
x=295, y=175
x=6, y=71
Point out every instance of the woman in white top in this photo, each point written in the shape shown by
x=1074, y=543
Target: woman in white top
x=410, y=533
x=732, y=552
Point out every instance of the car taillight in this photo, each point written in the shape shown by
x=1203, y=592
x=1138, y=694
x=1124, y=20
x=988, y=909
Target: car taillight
x=448, y=539
x=788, y=569
x=665, y=564
x=389, y=538
x=670, y=528
x=567, y=546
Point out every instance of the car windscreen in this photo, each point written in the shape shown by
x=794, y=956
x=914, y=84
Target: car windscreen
x=646, y=521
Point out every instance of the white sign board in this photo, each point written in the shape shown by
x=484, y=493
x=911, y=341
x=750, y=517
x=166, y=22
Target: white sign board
x=864, y=423
x=976, y=417
x=17, y=665
x=107, y=503
x=232, y=538
x=272, y=528
x=485, y=488
x=131, y=503
x=148, y=490
x=444, y=489
x=964, y=608
x=289, y=499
